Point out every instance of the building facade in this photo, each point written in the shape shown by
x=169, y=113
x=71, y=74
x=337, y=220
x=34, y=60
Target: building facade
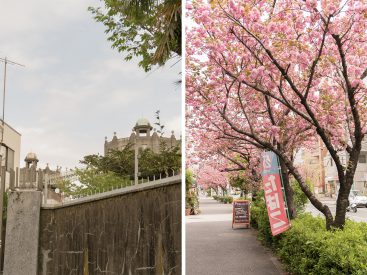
x=9, y=150
x=311, y=163
x=144, y=136
x=360, y=177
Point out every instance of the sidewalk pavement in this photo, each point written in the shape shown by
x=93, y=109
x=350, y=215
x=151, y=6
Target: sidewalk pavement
x=214, y=248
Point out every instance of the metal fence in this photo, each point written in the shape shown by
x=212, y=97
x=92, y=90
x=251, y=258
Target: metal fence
x=53, y=194
x=51, y=183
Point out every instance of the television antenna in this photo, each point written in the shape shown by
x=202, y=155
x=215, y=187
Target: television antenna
x=6, y=61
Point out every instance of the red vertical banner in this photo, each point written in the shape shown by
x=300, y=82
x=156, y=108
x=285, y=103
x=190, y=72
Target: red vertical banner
x=274, y=199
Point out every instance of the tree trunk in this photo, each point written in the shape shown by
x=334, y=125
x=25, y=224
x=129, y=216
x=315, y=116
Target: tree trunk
x=289, y=194
x=323, y=208
x=342, y=201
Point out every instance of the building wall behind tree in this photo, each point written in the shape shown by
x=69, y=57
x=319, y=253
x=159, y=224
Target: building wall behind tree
x=11, y=150
x=360, y=177
x=311, y=163
x=12, y=140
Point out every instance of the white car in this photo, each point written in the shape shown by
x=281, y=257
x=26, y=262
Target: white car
x=358, y=198
x=235, y=196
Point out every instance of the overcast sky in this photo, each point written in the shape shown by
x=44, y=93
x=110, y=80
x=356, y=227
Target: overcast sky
x=75, y=89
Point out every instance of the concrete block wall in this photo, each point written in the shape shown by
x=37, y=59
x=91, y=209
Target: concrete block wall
x=22, y=233
x=137, y=232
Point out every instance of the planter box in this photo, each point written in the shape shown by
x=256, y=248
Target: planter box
x=187, y=211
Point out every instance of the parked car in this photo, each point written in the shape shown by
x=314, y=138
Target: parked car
x=235, y=196
x=357, y=197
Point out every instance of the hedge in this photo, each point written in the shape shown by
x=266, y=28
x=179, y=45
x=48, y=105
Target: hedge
x=308, y=248
x=224, y=199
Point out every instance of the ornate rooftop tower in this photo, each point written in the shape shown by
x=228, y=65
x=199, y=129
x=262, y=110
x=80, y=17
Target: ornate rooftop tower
x=30, y=159
x=144, y=138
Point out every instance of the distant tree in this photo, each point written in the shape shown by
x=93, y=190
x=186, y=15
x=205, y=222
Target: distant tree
x=149, y=29
x=120, y=162
x=166, y=162
x=116, y=169
x=92, y=180
x=209, y=177
x=242, y=183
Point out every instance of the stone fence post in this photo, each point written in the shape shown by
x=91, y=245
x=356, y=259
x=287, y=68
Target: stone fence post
x=22, y=233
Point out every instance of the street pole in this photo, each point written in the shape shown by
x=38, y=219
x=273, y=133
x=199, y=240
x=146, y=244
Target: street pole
x=136, y=164
x=2, y=171
x=4, y=87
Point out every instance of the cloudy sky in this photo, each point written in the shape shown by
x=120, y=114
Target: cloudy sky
x=75, y=89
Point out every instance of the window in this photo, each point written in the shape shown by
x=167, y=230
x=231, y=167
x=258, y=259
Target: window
x=362, y=158
x=143, y=133
x=313, y=161
x=10, y=159
x=7, y=158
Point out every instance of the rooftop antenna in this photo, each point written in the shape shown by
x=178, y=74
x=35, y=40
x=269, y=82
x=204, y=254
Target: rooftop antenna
x=6, y=62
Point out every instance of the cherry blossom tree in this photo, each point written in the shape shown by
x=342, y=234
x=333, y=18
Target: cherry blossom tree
x=277, y=74
x=209, y=177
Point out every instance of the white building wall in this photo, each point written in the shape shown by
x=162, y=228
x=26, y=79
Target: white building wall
x=360, y=177
x=11, y=139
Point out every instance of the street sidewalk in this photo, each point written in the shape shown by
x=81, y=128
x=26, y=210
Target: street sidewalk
x=214, y=248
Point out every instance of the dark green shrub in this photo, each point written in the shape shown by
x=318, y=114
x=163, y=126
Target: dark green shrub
x=308, y=248
x=259, y=220
x=300, y=199
x=192, y=200
x=243, y=199
x=224, y=199
x=227, y=199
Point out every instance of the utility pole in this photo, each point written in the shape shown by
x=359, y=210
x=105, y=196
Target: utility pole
x=136, y=164
x=3, y=169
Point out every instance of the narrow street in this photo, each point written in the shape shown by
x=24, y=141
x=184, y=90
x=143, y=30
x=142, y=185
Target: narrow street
x=213, y=247
x=360, y=216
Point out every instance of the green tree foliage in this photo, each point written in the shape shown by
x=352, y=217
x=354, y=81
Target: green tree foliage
x=148, y=29
x=165, y=162
x=300, y=199
x=242, y=183
x=192, y=200
x=116, y=169
x=90, y=181
x=120, y=162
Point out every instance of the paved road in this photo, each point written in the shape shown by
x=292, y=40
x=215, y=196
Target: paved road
x=360, y=216
x=214, y=248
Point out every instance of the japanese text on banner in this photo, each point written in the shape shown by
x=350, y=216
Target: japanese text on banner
x=273, y=194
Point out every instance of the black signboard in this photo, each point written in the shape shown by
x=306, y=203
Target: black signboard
x=241, y=213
